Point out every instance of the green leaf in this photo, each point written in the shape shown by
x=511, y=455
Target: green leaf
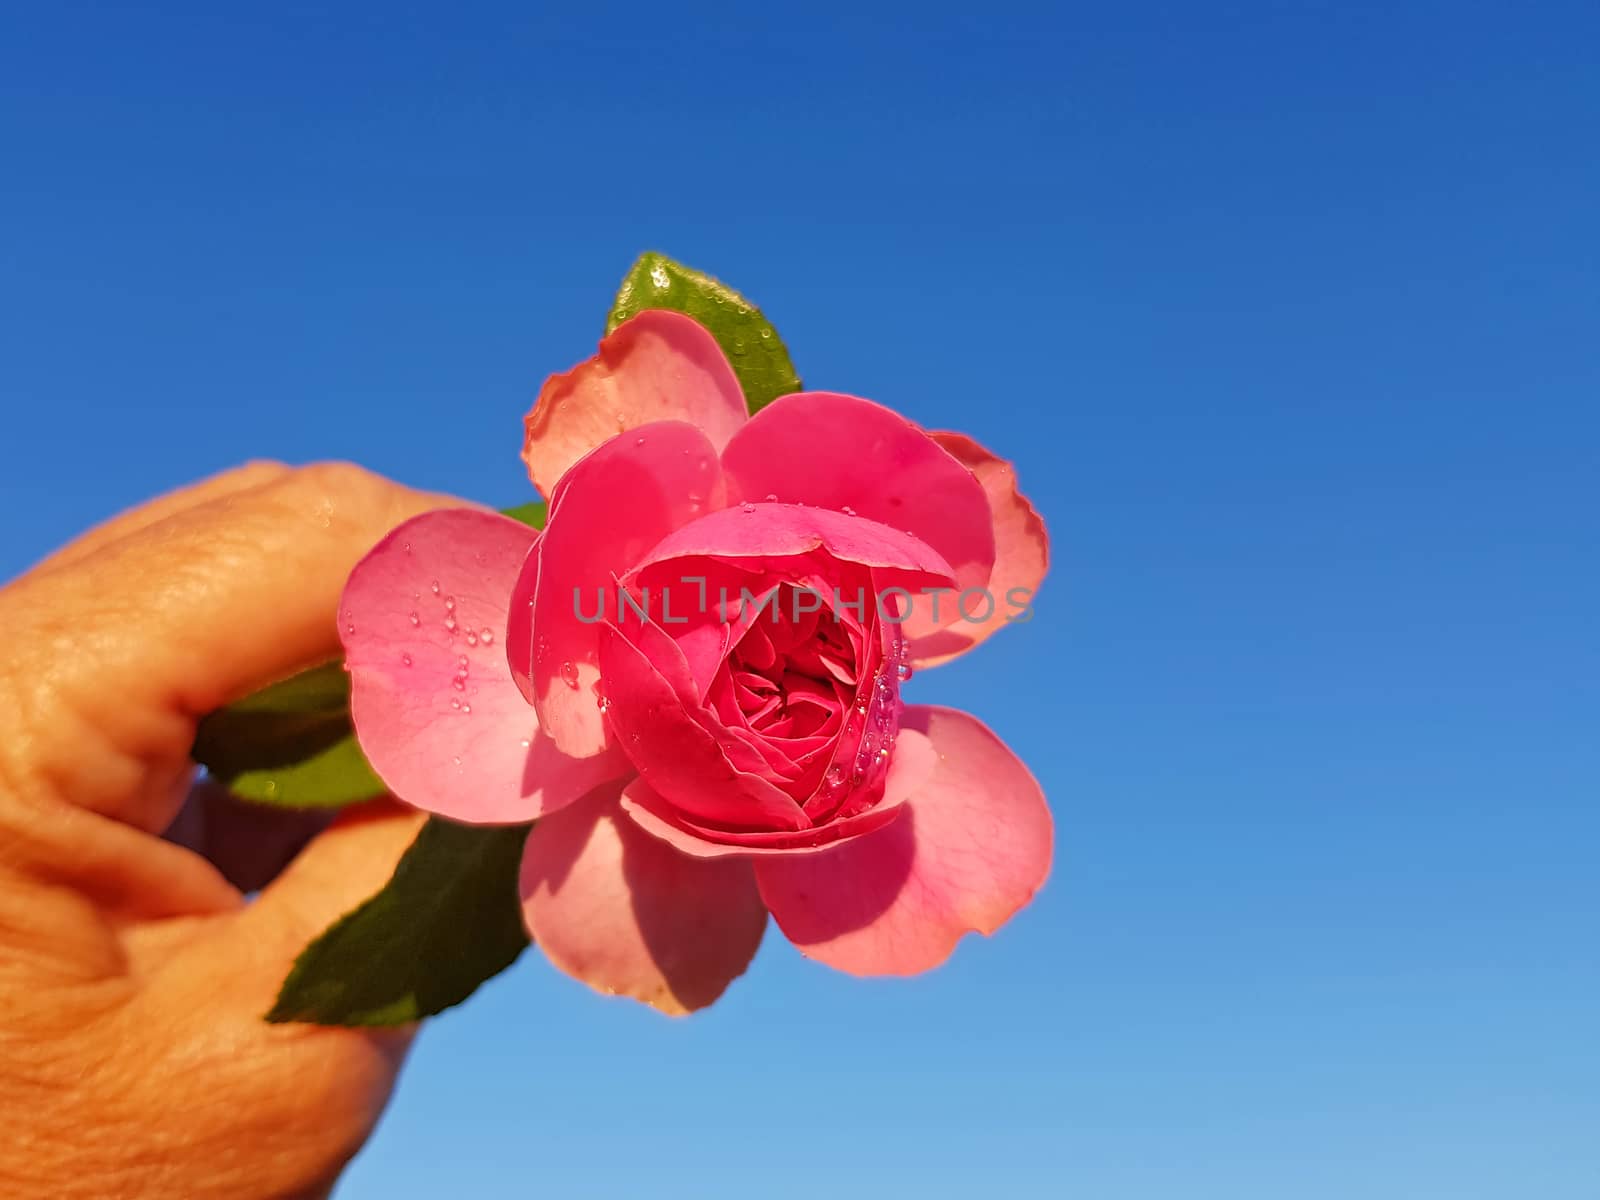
x=531, y=513
x=447, y=921
x=291, y=744
x=759, y=357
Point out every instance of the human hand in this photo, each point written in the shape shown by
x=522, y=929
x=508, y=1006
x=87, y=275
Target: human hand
x=134, y=1060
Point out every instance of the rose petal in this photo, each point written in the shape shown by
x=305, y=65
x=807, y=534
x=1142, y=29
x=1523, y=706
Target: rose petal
x=423, y=620
x=911, y=767
x=610, y=508
x=657, y=366
x=759, y=533
x=842, y=452
x=627, y=914
x=972, y=848
x=685, y=760
x=1021, y=557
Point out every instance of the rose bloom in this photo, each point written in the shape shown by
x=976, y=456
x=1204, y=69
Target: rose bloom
x=691, y=678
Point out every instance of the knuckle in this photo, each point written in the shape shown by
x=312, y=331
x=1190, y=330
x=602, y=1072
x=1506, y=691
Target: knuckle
x=255, y=472
x=342, y=493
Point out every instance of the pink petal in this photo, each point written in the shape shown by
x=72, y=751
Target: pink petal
x=972, y=848
x=844, y=453
x=627, y=914
x=614, y=505
x=759, y=531
x=423, y=620
x=910, y=768
x=657, y=366
x=683, y=757
x=1021, y=557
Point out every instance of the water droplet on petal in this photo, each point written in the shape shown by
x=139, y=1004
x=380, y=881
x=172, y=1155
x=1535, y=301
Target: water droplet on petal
x=904, y=671
x=747, y=507
x=414, y=619
x=467, y=709
x=405, y=660
x=486, y=636
x=638, y=441
x=603, y=703
x=569, y=674
x=460, y=685
x=772, y=497
x=472, y=638
x=434, y=587
x=847, y=510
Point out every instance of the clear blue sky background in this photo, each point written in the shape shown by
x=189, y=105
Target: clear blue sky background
x=1288, y=314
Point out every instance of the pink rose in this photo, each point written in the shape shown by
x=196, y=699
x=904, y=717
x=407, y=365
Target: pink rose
x=691, y=678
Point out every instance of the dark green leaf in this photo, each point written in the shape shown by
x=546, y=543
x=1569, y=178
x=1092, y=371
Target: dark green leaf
x=291, y=744
x=759, y=357
x=446, y=921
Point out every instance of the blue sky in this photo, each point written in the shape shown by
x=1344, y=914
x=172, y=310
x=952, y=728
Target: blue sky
x=1287, y=314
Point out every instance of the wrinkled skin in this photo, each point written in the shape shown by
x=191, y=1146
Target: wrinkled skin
x=133, y=978
x=693, y=767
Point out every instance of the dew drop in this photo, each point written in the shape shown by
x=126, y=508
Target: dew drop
x=603, y=703
x=525, y=743
x=638, y=441
x=847, y=510
x=414, y=619
x=434, y=587
x=466, y=710
x=486, y=636
x=460, y=685
x=456, y=760
x=449, y=604
x=569, y=674
x=472, y=638
x=904, y=671
x=772, y=497
x=350, y=628
x=405, y=660
x=747, y=507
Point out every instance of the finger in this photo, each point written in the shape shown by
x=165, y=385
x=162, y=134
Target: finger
x=249, y=843
x=340, y=868
x=235, y=479
x=116, y=655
